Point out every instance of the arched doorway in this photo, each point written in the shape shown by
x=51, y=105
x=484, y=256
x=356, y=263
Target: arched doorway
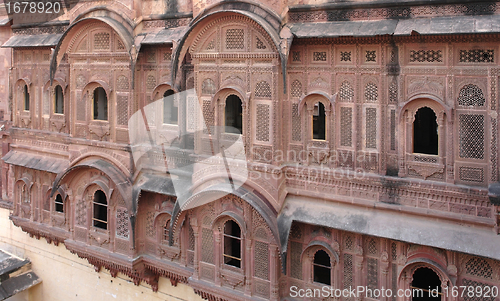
x=425, y=285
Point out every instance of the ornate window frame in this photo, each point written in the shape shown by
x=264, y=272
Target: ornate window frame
x=308, y=263
x=425, y=165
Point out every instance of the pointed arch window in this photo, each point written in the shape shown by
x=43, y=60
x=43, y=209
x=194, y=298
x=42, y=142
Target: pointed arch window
x=170, y=108
x=165, y=233
x=322, y=268
x=100, y=104
x=59, y=204
x=232, y=244
x=425, y=132
x=100, y=210
x=58, y=100
x=233, y=115
x=26, y=96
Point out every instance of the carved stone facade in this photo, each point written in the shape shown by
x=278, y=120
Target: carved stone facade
x=342, y=135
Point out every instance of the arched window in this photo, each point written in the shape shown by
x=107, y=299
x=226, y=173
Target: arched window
x=59, y=204
x=165, y=231
x=25, y=194
x=319, y=121
x=425, y=132
x=58, y=100
x=100, y=214
x=26, y=95
x=234, y=115
x=424, y=284
x=322, y=268
x=169, y=108
x=100, y=104
x=232, y=244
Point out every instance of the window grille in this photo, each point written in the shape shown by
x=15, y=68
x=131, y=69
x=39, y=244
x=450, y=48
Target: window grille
x=263, y=89
x=346, y=92
x=296, y=88
x=371, y=128
x=477, y=56
x=207, y=245
x=346, y=126
x=371, y=56
x=345, y=56
x=101, y=41
x=319, y=56
x=471, y=95
x=260, y=44
x=429, y=56
x=295, y=260
x=471, y=136
x=235, y=39
x=122, y=223
x=122, y=110
x=371, y=92
x=262, y=133
x=479, y=267
x=296, y=124
x=261, y=256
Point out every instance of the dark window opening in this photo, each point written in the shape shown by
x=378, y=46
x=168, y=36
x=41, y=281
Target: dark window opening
x=100, y=104
x=58, y=100
x=232, y=244
x=100, y=216
x=170, y=108
x=26, y=94
x=322, y=268
x=319, y=121
x=166, y=231
x=425, y=135
x=59, y=205
x=234, y=115
x=426, y=285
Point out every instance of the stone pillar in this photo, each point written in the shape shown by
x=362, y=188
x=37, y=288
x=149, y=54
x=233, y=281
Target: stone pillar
x=274, y=272
x=248, y=266
x=217, y=257
x=197, y=250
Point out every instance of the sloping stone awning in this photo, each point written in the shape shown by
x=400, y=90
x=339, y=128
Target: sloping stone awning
x=15, y=275
x=40, y=40
x=37, y=162
x=390, y=224
x=423, y=26
x=164, y=36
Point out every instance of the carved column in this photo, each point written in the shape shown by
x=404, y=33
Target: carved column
x=384, y=268
x=358, y=266
x=408, y=143
x=197, y=250
x=274, y=272
x=217, y=257
x=248, y=266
